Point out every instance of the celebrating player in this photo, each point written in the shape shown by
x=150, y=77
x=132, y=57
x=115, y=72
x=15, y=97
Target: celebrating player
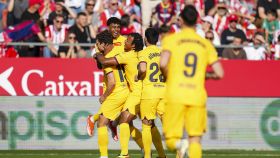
x=115, y=95
x=114, y=27
x=184, y=59
x=152, y=92
x=129, y=60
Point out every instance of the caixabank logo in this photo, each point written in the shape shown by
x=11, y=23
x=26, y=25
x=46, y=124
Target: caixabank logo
x=47, y=82
x=270, y=124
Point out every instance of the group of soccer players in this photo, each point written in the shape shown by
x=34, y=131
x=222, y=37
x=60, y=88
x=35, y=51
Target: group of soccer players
x=167, y=82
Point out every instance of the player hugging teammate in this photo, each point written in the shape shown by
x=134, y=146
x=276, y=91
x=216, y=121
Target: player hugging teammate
x=135, y=86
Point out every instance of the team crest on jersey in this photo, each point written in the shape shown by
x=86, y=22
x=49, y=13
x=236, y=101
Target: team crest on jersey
x=117, y=44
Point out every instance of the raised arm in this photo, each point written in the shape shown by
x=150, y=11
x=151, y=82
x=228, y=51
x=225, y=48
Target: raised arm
x=11, y=5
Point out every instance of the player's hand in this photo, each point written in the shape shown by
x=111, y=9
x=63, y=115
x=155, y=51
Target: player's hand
x=101, y=99
x=93, y=53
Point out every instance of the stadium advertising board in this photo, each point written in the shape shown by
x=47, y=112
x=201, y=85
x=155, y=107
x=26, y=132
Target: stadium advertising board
x=80, y=77
x=59, y=123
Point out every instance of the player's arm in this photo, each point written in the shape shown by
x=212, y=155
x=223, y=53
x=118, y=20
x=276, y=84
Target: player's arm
x=106, y=61
x=217, y=73
x=142, y=69
x=164, y=60
x=110, y=86
x=212, y=57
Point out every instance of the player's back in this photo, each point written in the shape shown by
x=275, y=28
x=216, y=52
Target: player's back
x=153, y=83
x=190, y=55
x=118, y=71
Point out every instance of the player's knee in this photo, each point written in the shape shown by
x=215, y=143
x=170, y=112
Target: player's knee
x=194, y=139
x=126, y=117
x=102, y=121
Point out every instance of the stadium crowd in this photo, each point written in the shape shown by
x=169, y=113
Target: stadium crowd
x=254, y=24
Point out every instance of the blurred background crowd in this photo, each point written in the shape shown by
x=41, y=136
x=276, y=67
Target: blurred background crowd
x=228, y=24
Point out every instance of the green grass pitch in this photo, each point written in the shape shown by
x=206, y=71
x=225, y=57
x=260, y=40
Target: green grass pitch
x=133, y=154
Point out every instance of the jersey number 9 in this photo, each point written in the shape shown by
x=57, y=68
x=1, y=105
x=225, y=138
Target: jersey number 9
x=190, y=63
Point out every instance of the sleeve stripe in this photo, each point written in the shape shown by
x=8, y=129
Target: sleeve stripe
x=117, y=60
x=108, y=72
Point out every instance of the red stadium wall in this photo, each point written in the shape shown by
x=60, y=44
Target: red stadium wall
x=80, y=77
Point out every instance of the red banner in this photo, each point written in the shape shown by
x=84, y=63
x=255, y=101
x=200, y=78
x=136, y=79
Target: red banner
x=80, y=77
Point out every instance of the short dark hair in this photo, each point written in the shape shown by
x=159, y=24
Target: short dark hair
x=239, y=36
x=57, y=1
x=152, y=35
x=113, y=20
x=189, y=15
x=81, y=14
x=272, y=12
x=164, y=29
x=58, y=16
x=125, y=20
x=105, y=37
x=137, y=41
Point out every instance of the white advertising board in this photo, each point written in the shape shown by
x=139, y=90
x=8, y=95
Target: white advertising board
x=60, y=123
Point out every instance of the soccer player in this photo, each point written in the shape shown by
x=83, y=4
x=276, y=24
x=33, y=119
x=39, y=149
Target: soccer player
x=184, y=59
x=114, y=27
x=129, y=60
x=115, y=95
x=152, y=92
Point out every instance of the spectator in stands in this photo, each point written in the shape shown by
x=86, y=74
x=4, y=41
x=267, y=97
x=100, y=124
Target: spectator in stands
x=209, y=4
x=62, y=9
x=210, y=36
x=92, y=16
x=219, y=12
x=18, y=7
x=72, y=51
x=199, y=5
x=232, y=31
x=132, y=7
x=263, y=6
x=84, y=32
x=128, y=25
x=113, y=11
x=55, y=34
x=206, y=26
x=277, y=49
x=163, y=14
x=46, y=9
x=32, y=14
x=239, y=8
x=255, y=50
x=6, y=14
x=235, y=53
x=270, y=25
